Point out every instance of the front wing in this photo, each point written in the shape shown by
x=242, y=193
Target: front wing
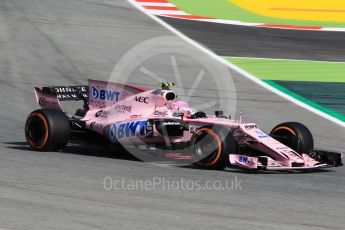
x=317, y=159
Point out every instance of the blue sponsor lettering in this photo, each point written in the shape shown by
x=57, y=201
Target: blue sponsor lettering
x=261, y=135
x=157, y=92
x=126, y=130
x=112, y=132
x=131, y=128
x=121, y=131
x=243, y=159
x=105, y=95
x=94, y=93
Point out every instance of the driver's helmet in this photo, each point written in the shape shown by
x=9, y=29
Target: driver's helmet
x=182, y=107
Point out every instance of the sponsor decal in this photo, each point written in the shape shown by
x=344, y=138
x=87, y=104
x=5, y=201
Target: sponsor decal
x=121, y=131
x=44, y=102
x=192, y=129
x=102, y=114
x=261, y=134
x=71, y=96
x=177, y=156
x=157, y=92
x=96, y=126
x=283, y=148
x=105, y=95
x=149, y=130
x=67, y=89
x=243, y=159
x=70, y=92
x=160, y=113
x=141, y=99
x=249, y=127
x=123, y=108
x=99, y=113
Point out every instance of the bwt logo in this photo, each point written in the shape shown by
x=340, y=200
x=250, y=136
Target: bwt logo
x=105, y=95
x=125, y=130
x=243, y=159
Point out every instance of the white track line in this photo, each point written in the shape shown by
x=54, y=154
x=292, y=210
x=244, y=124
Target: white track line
x=161, y=12
x=284, y=59
x=236, y=68
x=333, y=29
x=155, y=4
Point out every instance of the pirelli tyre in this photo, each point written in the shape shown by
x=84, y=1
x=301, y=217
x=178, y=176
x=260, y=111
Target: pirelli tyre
x=294, y=135
x=211, y=146
x=47, y=130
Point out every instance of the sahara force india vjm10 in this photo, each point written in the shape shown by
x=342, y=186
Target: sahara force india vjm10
x=116, y=114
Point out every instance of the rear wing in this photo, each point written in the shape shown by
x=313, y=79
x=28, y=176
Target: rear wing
x=68, y=93
x=95, y=95
x=50, y=97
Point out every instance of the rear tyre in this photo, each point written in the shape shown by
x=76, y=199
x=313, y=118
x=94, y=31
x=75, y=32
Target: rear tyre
x=47, y=130
x=294, y=135
x=211, y=146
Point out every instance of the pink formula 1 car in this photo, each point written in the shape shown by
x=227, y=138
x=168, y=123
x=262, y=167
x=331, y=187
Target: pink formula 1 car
x=153, y=119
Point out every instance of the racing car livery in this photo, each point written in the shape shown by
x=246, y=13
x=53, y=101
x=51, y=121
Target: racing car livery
x=119, y=114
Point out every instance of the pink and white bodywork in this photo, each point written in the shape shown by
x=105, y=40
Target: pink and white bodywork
x=130, y=114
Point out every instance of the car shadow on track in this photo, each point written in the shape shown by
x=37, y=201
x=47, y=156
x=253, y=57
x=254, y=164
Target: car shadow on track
x=85, y=150
x=121, y=154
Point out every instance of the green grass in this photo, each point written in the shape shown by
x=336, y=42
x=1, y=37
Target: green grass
x=271, y=70
x=223, y=9
x=290, y=70
x=328, y=111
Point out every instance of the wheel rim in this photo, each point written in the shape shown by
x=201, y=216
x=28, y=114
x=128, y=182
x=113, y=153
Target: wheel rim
x=206, y=147
x=36, y=130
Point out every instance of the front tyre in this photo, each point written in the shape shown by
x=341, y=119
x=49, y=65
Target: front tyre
x=294, y=135
x=47, y=130
x=211, y=146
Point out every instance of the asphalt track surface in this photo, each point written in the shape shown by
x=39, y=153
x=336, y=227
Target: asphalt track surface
x=66, y=42
x=243, y=41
